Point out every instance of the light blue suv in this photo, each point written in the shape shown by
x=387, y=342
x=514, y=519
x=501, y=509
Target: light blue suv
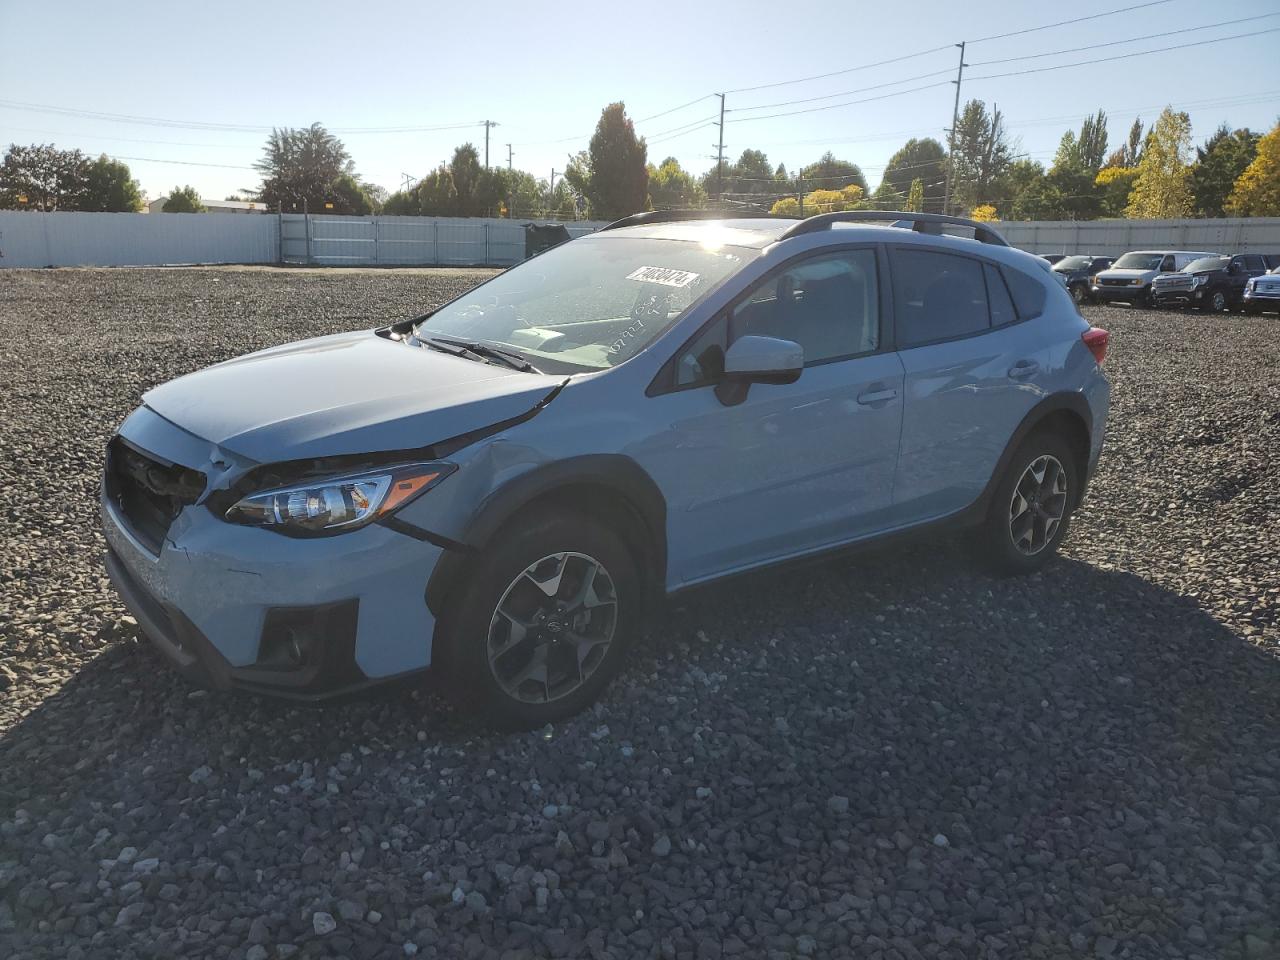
x=501, y=488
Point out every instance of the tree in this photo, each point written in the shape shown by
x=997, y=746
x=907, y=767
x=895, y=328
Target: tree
x=1088, y=150
x=183, y=200
x=437, y=196
x=1257, y=191
x=922, y=160
x=885, y=198
x=1130, y=152
x=1116, y=183
x=400, y=204
x=1162, y=190
x=916, y=196
x=828, y=170
x=110, y=188
x=49, y=178
x=981, y=155
x=1069, y=185
x=300, y=168
x=984, y=213
x=849, y=197
x=612, y=174
x=1219, y=164
x=671, y=187
x=1029, y=193
x=349, y=197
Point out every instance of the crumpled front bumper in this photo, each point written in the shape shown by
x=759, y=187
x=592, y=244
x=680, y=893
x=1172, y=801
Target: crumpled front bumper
x=238, y=606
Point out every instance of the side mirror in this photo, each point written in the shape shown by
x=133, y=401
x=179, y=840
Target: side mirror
x=1233, y=268
x=758, y=360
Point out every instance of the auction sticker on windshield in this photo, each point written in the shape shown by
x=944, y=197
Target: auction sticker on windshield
x=662, y=275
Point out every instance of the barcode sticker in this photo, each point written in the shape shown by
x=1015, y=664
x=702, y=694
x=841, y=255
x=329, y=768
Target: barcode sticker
x=662, y=275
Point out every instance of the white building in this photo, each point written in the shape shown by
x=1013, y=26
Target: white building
x=216, y=206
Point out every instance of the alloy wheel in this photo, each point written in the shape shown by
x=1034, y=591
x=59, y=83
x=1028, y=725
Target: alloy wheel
x=552, y=628
x=1219, y=301
x=1038, y=505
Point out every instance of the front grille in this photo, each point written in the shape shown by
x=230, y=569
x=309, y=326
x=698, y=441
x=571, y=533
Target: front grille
x=1173, y=283
x=1106, y=282
x=148, y=492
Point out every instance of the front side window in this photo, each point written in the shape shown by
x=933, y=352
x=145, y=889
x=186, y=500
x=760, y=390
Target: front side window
x=1167, y=264
x=937, y=296
x=589, y=304
x=829, y=304
x=1253, y=262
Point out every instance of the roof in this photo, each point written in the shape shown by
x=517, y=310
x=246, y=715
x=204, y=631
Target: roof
x=732, y=231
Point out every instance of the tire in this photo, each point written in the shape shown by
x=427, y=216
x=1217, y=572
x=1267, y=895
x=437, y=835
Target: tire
x=1079, y=293
x=1218, y=302
x=1004, y=544
x=503, y=594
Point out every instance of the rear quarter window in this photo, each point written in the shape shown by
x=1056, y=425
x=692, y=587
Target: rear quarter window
x=1027, y=292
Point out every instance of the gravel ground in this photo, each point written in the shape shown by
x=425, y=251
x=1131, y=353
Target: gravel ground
x=892, y=757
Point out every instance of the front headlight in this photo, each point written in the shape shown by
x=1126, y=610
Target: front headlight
x=1199, y=281
x=1139, y=282
x=1249, y=285
x=338, y=504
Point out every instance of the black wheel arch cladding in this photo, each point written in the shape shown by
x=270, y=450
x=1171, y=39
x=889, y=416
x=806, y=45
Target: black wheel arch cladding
x=592, y=483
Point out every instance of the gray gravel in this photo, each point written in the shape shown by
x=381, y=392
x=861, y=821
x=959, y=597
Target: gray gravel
x=893, y=757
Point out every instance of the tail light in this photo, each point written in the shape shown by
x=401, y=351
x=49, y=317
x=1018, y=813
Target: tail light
x=1096, y=339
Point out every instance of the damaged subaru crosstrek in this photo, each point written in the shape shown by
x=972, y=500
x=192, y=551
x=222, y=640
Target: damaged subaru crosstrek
x=500, y=489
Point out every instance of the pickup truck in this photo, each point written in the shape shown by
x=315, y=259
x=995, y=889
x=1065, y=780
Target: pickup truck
x=1211, y=283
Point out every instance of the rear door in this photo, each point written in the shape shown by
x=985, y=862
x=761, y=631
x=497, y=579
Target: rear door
x=792, y=467
x=973, y=370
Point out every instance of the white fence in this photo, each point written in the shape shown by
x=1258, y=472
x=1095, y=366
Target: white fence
x=29, y=239
x=135, y=239
x=1110, y=238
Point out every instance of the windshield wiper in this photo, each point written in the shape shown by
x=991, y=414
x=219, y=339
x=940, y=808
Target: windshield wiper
x=475, y=350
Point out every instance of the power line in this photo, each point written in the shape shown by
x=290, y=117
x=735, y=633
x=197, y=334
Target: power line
x=1127, y=56
x=1063, y=23
x=655, y=116
x=1115, y=43
x=837, y=73
x=844, y=93
x=185, y=163
x=847, y=103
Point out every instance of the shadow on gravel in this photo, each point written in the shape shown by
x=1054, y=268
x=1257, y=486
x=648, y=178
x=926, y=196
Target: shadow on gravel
x=897, y=725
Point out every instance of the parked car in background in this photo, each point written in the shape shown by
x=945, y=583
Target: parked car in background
x=1263, y=293
x=1052, y=257
x=1078, y=271
x=500, y=487
x=1211, y=283
x=1128, y=280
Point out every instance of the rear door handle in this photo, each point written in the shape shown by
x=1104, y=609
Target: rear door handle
x=1023, y=369
x=877, y=396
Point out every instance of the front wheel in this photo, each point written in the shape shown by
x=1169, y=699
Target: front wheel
x=1031, y=510
x=1218, y=302
x=543, y=623
x=1080, y=293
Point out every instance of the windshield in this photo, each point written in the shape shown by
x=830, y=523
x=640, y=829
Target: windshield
x=589, y=304
x=1206, y=263
x=1138, y=261
x=1072, y=263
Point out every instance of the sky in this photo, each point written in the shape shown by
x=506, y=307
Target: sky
x=195, y=88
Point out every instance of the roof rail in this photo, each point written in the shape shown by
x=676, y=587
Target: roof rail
x=675, y=216
x=930, y=223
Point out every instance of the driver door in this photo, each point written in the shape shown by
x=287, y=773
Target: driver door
x=792, y=467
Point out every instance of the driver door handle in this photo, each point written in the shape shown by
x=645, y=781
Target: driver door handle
x=1023, y=369
x=877, y=396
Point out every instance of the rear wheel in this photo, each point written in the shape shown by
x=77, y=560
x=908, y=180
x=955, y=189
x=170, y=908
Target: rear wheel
x=1031, y=511
x=543, y=623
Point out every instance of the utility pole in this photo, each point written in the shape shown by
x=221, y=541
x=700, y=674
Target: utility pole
x=800, y=192
x=551, y=192
x=487, y=125
x=509, y=156
x=720, y=151
x=955, y=118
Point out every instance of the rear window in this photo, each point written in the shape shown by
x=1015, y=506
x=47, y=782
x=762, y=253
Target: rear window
x=1028, y=292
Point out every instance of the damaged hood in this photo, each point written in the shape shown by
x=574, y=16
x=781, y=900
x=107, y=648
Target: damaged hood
x=345, y=394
